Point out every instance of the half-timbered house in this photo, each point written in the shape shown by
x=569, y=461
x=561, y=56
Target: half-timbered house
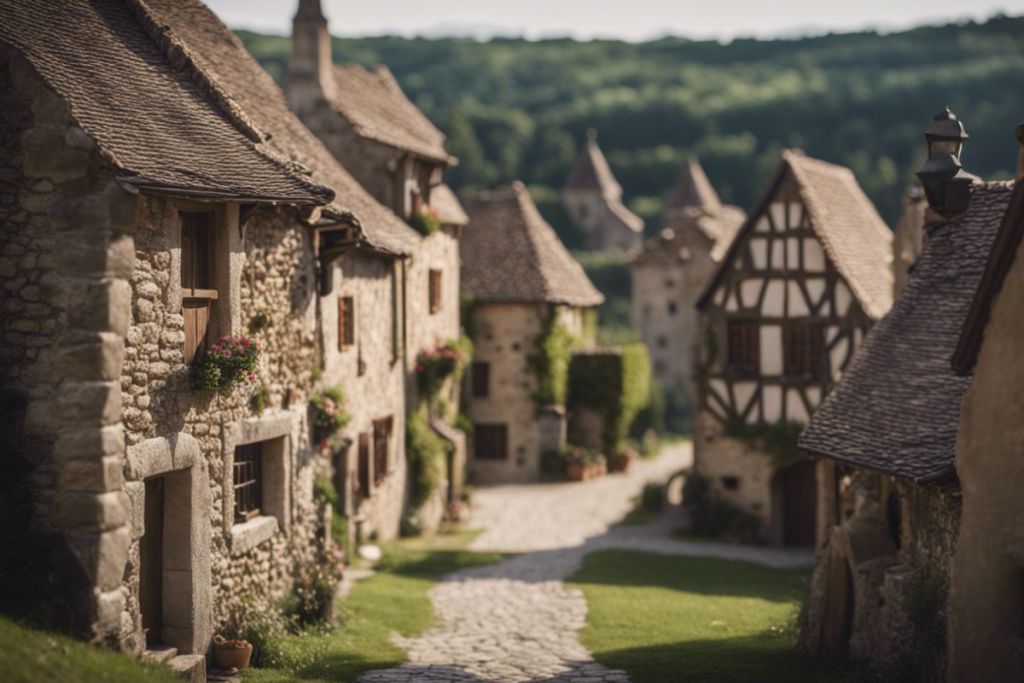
x=524, y=285
x=805, y=278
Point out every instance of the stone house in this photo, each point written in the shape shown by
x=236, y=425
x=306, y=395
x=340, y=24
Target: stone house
x=159, y=195
x=670, y=273
x=889, y=500
x=985, y=606
x=526, y=289
x=791, y=300
x=593, y=199
x=396, y=153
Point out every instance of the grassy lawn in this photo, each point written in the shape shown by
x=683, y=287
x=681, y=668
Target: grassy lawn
x=31, y=656
x=696, y=619
x=394, y=600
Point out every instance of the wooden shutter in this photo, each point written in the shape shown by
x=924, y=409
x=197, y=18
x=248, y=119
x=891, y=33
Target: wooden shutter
x=381, y=448
x=490, y=442
x=197, y=291
x=480, y=374
x=363, y=465
x=743, y=347
x=346, y=322
x=434, y=290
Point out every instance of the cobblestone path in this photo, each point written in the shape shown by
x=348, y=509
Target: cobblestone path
x=516, y=621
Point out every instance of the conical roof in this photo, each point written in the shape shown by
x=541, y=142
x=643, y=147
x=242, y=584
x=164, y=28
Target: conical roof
x=511, y=254
x=693, y=190
x=592, y=172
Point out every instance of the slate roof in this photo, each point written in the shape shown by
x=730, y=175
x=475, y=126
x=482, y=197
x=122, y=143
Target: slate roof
x=592, y=172
x=851, y=232
x=373, y=102
x=220, y=58
x=693, y=190
x=997, y=267
x=897, y=408
x=446, y=204
x=163, y=130
x=720, y=227
x=511, y=254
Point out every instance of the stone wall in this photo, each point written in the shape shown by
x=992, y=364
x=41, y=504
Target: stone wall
x=371, y=372
x=602, y=227
x=986, y=605
x=65, y=256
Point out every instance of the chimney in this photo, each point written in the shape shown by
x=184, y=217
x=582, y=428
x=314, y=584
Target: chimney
x=1019, y=132
x=309, y=68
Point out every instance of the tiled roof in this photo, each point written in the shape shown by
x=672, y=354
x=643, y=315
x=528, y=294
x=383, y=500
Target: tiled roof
x=897, y=407
x=511, y=254
x=720, y=227
x=220, y=58
x=446, y=204
x=151, y=119
x=847, y=224
x=373, y=102
x=592, y=172
x=1000, y=261
x=693, y=190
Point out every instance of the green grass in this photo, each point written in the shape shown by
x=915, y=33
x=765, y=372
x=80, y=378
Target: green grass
x=696, y=619
x=31, y=656
x=393, y=601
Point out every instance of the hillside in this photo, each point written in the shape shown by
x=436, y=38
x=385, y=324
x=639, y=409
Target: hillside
x=518, y=109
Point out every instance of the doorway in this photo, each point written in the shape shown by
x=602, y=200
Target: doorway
x=151, y=556
x=799, y=504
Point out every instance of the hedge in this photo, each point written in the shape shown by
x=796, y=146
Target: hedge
x=615, y=383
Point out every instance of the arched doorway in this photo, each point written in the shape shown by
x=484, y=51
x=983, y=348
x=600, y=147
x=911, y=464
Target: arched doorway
x=798, y=490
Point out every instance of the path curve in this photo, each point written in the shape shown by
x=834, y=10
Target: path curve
x=516, y=621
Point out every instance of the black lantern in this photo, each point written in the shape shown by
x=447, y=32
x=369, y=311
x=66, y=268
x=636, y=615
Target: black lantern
x=946, y=185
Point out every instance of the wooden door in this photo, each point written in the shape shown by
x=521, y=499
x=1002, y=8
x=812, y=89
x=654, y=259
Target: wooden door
x=151, y=551
x=799, y=503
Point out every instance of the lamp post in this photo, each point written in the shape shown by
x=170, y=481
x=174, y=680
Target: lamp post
x=946, y=185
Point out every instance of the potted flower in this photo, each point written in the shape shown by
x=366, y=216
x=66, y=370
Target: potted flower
x=329, y=414
x=231, y=653
x=623, y=459
x=226, y=363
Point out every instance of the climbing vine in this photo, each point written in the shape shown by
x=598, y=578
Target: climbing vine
x=777, y=439
x=427, y=454
x=614, y=383
x=435, y=366
x=550, y=361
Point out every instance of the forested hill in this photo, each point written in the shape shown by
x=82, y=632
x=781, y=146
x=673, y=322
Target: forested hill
x=519, y=109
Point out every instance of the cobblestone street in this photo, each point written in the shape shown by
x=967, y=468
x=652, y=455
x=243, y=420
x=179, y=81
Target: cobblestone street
x=516, y=621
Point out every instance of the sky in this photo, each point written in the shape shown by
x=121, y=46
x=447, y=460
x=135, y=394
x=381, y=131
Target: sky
x=629, y=20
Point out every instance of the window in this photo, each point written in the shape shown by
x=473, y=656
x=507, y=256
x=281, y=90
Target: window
x=480, y=375
x=197, y=290
x=743, y=350
x=434, y=291
x=490, y=442
x=731, y=483
x=381, y=446
x=803, y=342
x=662, y=342
x=363, y=466
x=248, y=479
x=346, y=322
x=672, y=308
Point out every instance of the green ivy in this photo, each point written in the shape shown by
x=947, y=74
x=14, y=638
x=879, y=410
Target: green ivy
x=325, y=493
x=615, y=383
x=550, y=361
x=778, y=439
x=467, y=311
x=435, y=366
x=425, y=223
x=427, y=454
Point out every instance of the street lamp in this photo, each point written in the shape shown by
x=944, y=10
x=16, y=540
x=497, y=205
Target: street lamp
x=946, y=185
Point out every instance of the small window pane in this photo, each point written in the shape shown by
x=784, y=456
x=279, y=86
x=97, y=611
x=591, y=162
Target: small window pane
x=490, y=442
x=248, y=481
x=743, y=349
x=481, y=377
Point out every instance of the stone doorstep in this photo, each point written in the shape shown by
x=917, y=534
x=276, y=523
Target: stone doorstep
x=191, y=668
x=160, y=654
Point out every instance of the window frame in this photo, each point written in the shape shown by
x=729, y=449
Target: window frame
x=480, y=379
x=485, y=436
x=346, y=322
x=198, y=277
x=435, y=284
x=743, y=349
x=803, y=348
x=248, y=493
x=382, y=433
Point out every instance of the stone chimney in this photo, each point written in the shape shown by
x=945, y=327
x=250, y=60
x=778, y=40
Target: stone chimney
x=1019, y=132
x=308, y=79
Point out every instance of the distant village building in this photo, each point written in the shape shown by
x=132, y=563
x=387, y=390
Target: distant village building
x=593, y=200
x=158, y=195
x=670, y=273
x=398, y=155
x=889, y=500
x=908, y=238
x=985, y=609
x=805, y=278
x=524, y=286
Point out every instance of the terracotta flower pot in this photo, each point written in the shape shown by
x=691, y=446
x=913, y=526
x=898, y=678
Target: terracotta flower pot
x=575, y=471
x=232, y=657
x=620, y=463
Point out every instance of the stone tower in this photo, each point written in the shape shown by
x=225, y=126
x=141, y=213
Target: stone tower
x=309, y=76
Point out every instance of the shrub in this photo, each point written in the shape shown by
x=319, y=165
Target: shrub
x=226, y=363
x=425, y=222
x=324, y=493
x=714, y=517
x=328, y=412
x=427, y=454
x=261, y=624
x=652, y=498
x=435, y=366
x=615, y=383
x=312, y=599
